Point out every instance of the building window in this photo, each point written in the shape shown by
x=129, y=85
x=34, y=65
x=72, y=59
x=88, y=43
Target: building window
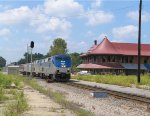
x=145, y=60
x=126, y=59
x=99, y=59
x=122, y=59
x=108, y=58
x=131, y=60
x=118, y=58
x=113, y=59
x=94, y=59
x=103, y=59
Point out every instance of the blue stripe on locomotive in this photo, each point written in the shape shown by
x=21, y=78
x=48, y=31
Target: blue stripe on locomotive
x=61, y=61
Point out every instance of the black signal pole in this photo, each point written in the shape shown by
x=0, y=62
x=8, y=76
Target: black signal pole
x=27, y=59
x=139, y=43
x=31, y=46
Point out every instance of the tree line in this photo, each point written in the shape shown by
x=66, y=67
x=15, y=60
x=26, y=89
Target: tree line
x=59, y=46
x=2, y=62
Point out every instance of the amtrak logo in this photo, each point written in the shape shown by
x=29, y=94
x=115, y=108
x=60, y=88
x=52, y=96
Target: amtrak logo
x=63, y=64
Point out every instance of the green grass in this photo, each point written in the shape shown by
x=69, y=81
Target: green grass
x=17, y=107
x=17, y=103
x=7, y=80
x=59, y=98
x=121, y=80
x=2, y=95
x=20, y=104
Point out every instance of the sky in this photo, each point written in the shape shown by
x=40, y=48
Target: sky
x=79, y=22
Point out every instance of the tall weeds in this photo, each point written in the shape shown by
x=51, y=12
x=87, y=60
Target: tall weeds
x=17, y=102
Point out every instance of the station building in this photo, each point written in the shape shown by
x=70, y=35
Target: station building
x=115, y=58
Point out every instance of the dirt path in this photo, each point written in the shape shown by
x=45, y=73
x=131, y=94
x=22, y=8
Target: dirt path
x=41, y=105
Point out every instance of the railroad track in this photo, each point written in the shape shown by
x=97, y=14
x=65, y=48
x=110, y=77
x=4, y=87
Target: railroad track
x=116, y=94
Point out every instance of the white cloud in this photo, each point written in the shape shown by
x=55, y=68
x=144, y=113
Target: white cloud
x=82, y=43
x=62, y=7
x=96, y=4
x=125, y=32
x=16, y=15
x=4, y=7
x=4, y=32
x=53, y=24
x=134, y=15
x=99, y=17
x=76, y=46
x=35, y=18
x=90, y=34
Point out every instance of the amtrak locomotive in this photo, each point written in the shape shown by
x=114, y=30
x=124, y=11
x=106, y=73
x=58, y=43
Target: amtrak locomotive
x=56, y=67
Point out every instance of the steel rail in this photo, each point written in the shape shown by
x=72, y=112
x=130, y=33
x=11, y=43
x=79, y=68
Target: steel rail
x=116, y=94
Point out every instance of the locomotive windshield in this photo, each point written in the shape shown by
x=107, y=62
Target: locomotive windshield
x=62, y=61
x=62, y=58
x=59, y=58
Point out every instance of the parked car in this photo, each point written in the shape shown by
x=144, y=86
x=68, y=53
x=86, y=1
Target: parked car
x=84, y=72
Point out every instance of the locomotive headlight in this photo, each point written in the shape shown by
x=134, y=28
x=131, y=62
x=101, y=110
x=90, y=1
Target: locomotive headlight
x=63, y=66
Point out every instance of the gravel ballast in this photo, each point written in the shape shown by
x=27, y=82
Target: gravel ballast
x=109, y=106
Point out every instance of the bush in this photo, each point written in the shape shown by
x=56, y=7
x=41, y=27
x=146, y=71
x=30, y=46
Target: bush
x=18, y=106
x=2, y=94
x=7, y=80
x=18, y=102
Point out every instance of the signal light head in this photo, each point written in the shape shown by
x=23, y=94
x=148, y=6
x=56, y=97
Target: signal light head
x=32, y=44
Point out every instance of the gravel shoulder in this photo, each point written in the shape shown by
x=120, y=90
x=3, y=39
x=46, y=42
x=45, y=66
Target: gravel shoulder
x=109, y=106
x=41, y=105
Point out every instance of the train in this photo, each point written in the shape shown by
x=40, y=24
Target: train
x=54, y=68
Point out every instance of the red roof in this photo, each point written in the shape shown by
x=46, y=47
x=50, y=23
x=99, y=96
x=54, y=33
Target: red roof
x=100, y=66
x=107, y=47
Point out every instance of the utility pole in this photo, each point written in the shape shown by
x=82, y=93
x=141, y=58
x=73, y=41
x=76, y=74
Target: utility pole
x=139, y=43
x=27, y=61
x=31, y=64
x=32, y=46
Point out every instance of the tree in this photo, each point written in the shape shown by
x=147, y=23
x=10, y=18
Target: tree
x=76, y=60
x=36, y=56
x=59, y=47
x=2, y=62
x=22, y=61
